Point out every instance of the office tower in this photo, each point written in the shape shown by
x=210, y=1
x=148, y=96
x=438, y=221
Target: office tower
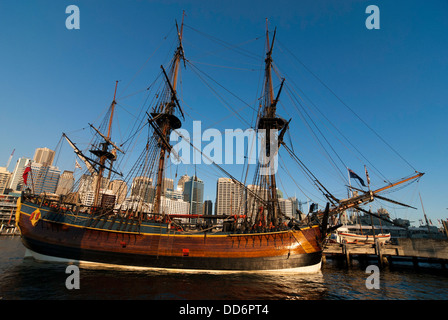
x=66, y=181
x=208, y=207
x=279, y=193
x=142, y=189
x=194, y=194
x=44, y=156
x=119, y=189
x=106, y=198
x=285, y=207
x=175, y=194
x=44, y=178
x=253, y=204
x=5, y=175
x=86, y=189
x=181, y=182
x=16, y=182
x=229, y=197
x=295, y=207
x=167, y=184
x=85, y=184
x=171, y=206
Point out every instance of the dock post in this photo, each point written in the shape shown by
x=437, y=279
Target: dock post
x=378, y=252
x=346, y=252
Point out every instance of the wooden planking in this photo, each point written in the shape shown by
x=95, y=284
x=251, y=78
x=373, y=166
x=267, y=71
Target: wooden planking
x=174, y=243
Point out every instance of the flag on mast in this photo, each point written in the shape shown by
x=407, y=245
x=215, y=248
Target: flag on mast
x=355, y=176
x=77, y=165
x=25, y=174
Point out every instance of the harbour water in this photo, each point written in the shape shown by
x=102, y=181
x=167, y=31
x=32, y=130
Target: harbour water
x=26, y=279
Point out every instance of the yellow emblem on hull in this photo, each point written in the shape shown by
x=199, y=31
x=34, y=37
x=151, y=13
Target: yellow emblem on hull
x=34, y=217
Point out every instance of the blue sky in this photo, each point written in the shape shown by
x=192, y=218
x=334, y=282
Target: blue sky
x=55, y=80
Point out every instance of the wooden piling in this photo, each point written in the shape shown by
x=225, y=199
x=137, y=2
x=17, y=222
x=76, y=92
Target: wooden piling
x=379, y=252
x=346, y=253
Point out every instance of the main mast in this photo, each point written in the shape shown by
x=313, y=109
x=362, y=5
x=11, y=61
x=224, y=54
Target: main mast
x=165, y=118
x=270, y=123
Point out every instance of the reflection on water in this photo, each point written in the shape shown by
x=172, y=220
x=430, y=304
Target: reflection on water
x=28, y=279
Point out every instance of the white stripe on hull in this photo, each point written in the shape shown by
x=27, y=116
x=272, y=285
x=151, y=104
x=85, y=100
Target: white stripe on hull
x=316, y=268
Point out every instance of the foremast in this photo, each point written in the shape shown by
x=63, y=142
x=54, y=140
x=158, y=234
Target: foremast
x=106, y=153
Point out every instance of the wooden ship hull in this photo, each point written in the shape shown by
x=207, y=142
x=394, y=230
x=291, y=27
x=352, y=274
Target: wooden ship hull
x=82, y=237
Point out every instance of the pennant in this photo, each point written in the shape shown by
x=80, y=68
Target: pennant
x=77, y=165
x=355, y=176
x=35, y=217
x=367, y=176
x=25, y=174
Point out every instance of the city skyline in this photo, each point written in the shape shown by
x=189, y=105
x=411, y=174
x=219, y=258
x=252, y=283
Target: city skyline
x=52, y=181
x=392, y=77
x=231, y=198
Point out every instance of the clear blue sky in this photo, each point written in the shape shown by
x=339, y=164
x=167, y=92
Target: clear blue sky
x=55, y=80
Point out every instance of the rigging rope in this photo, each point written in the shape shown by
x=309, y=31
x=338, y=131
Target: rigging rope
x=371, y=165
x=350, y=109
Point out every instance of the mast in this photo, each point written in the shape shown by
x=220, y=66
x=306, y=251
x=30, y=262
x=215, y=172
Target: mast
x=424, y=213
x=104, y=153
x=268, y=122
x=166, y=119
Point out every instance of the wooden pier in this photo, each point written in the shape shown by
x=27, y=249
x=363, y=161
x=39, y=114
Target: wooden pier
x=414, y=251
x=9, y=230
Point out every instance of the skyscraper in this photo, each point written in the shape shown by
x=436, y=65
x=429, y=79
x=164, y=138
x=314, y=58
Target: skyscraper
x=286, y=207
x=16, y=182
x=45, y=178
x=119, y=189
x=194, y=194
x=143, y=189
x=229, y=197
x=295, y=206
x=44, y=156
x=182, y=180
x=208, y=207
x=4, y=179
x=86, y=189
x=66, y=181
x=174, y=206
x=253, y=203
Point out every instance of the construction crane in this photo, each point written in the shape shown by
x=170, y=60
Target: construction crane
x=9, y=160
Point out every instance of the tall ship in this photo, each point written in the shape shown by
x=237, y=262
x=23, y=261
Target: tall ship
x=139, y=233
